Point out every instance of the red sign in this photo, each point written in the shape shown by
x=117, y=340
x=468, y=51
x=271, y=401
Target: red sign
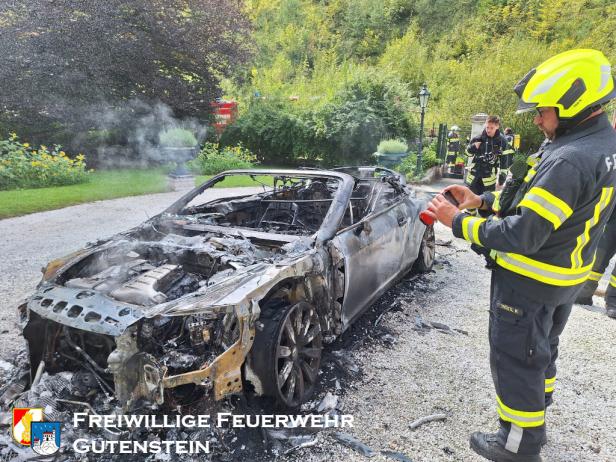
x=225, y=113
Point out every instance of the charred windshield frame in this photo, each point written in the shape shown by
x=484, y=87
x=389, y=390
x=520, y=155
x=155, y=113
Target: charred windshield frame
x=333, y=217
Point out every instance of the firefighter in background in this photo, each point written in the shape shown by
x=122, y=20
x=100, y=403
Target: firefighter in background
x=453, y=148
x=506, y=157
x=484, y=152
x=605, y=252
x=509, y=136
x=543, y=244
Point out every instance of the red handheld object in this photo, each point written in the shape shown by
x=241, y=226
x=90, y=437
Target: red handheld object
x=426, y=219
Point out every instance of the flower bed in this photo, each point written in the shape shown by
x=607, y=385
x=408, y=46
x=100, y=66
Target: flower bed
x=22, y=166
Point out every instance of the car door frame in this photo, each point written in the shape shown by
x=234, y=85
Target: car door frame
x=350, y=241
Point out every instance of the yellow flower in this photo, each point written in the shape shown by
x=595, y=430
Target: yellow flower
x=26, y=145
x=80, y=157
x=43, y=147
x=62, y=154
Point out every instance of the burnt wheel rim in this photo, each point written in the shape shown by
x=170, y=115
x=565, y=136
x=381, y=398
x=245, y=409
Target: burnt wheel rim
x=428, y=245
x=298, y=354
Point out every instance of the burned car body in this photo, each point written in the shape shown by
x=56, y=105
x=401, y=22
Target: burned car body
x=227, y=293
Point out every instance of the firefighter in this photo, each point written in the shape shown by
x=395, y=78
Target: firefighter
x=543, y=243
x=506, y=157
x=605, y=252
x=453, y=148
x=484, y=152
x=509, y=136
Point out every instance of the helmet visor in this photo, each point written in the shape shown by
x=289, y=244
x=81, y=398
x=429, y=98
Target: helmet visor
x=525, y=107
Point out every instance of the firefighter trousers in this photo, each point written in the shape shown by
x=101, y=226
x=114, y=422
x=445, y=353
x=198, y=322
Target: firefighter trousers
x=477, y=184
x=524, y=336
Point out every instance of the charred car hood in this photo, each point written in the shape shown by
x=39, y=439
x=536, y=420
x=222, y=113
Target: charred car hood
x=114, y=285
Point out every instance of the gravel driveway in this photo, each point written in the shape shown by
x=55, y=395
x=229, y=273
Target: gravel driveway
x=413, y=372
x=431, y=371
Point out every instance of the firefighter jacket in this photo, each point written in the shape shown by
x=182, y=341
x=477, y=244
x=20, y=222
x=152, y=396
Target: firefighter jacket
x=453, y=149
x=550, y=240
x=453, y=143
x=487, y=158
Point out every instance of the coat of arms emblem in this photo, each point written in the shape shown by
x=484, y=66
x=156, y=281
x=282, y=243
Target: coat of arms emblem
x=22, y=420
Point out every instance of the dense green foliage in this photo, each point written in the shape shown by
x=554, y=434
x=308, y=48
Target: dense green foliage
x=429, y=159
x=113, y=73
x=344, y=128
x=392, y=147
x=212, y=159
x=23, y=166
x=177, y=138
x=469, y=52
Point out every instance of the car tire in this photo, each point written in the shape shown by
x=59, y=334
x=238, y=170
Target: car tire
x=286, y=353
x=427, y=249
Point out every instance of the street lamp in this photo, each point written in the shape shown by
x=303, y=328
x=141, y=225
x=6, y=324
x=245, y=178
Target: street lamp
x=424, y=95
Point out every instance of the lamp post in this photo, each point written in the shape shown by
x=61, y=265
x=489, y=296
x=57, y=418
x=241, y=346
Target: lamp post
x=424, y=95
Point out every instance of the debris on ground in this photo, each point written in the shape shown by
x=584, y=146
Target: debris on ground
x=429, y=418
x=6, y=368
x=328, y=403
x=447, y=450
x=396, y=456
x=388, y=339
x=421, y=325
x=344, y=361
x=440, y=326
x=353, y=443
x=306, y=443
x=461, y=331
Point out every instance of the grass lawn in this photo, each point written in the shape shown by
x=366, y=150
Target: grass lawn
x=107, y=184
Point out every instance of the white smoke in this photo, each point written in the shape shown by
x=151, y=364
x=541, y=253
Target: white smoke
x=139, y=124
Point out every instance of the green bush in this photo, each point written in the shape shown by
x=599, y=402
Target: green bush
x=366, y=111
x=212, y=159
x=392, y=147
x=21, y=166
x=177, y=138
x=272, y=132
x=343, y=130
x=429, y=159
x=408, y=166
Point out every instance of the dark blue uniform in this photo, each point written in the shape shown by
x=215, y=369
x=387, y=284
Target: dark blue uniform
x=544, y=252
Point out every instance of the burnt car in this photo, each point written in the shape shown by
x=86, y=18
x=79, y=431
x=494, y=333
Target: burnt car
x=225, y=294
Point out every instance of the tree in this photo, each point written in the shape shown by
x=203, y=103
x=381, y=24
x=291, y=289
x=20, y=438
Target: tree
x=68, y=64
